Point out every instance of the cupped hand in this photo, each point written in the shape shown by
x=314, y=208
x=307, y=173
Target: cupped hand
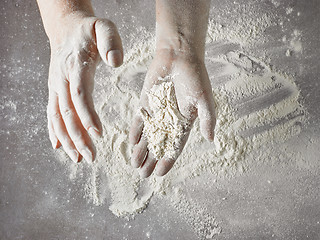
x=77, y=46
x=194, y=99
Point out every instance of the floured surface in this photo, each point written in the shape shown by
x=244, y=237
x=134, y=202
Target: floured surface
x=262, y=121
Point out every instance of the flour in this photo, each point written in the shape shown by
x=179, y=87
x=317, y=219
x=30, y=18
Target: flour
x=245, y=27
x=165, y=128
x=289, y=10
x=256, y=107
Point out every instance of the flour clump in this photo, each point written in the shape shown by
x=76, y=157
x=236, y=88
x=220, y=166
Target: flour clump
x=164, y=126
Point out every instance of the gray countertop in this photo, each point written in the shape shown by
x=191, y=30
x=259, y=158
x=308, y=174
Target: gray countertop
x=38, y=200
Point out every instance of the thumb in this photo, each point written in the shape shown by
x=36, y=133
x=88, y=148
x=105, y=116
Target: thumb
x=207, y=117
x=109, y=42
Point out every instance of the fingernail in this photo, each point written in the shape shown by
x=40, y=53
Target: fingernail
x=114, y=58
x=87, y=155
x=74, y=155
x=163, y=170
x=135, y=163
x=94, y=132
x=211, y=137
x=143, y=174
x=160, y=173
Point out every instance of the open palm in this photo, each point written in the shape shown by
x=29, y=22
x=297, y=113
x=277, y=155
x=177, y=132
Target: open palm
x=194, y=98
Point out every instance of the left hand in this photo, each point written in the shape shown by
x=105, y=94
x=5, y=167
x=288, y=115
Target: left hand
x=78, y=45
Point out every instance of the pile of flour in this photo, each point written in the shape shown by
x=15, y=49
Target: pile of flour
x=165, y=127
x=256, y=106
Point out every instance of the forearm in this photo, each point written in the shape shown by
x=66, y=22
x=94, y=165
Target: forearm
x=182, y=25
x=54, y=11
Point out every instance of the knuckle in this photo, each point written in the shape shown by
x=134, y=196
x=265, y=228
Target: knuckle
x=66, y=112
x=54, y=116
x=108, y=24
x=69, y=61
x=83, y=55
x=65, y=141
x=87, y=55
x=86, y=123
x=77, y=92
x=72, y=61
x=78, y=139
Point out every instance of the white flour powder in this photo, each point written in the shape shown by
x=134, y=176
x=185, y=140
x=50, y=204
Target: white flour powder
x=255, y=105
x=166, y=126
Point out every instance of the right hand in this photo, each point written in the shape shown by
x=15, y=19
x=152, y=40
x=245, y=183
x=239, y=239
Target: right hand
x=193, y=91
x=77, y=45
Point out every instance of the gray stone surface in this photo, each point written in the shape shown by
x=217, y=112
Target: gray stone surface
x=38, y=200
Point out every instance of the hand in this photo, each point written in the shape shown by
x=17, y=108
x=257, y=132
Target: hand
x=194, y=97
x=78, y=44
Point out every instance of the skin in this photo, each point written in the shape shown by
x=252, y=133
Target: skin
x=180, y=44
x=79, y=41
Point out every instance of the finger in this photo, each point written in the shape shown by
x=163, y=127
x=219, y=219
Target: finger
x=136, y=130
x=60, y=129
x=81, y=96
x=148, y=166
x=109, y=42
x=166, y=163
x=73, y=124
x=207, y=116
x=52, y=136
x=139, y=153
x=163, y=166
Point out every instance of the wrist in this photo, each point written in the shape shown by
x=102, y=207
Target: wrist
x=53, y=13
x=179, y=41
x=179, y=46
x=59, y=27
x=182, y=25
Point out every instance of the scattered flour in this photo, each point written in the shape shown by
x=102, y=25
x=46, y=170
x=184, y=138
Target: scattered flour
x=256, y=107
x=288, y=53
x=245, y=27
x=276, y=3
x=165, y=128
x=295, y=42
x=289, y=10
